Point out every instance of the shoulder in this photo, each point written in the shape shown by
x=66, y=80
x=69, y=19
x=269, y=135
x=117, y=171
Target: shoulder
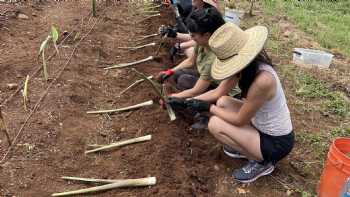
x=265, y=83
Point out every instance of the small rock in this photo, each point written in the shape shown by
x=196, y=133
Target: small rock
x=12, y=86
x=216, y=167
x=123, y=129
x=22, y=16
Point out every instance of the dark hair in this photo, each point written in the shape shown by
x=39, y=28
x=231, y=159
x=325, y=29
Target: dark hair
x=206, y=20
x=249, y=73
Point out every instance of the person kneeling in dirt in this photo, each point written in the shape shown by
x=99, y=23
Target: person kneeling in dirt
x=191, y=82
x=184, y=41
x=258, y=127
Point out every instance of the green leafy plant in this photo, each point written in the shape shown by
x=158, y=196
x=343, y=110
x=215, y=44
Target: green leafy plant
x=53, y=35
x=337, y=104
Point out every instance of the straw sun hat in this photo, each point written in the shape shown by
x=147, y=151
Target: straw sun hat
x=235, y=48
x=213, y=3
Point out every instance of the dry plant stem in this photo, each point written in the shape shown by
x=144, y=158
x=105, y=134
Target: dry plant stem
x=3, y=128
x=147, y=18
x=46, y=91
x=119, y=184
x=147, y=103
x=138, y=47
x=25, y=93
x=133, y=84
x=121, y=143
x=123, y=65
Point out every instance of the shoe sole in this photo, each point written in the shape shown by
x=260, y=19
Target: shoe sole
x=234, y=156
x=264, y=173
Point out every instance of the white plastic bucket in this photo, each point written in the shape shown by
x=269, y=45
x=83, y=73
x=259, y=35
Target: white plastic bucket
x=232, y=15
x=312, y=57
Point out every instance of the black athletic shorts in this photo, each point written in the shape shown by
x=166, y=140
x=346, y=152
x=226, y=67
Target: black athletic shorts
x=275, y=148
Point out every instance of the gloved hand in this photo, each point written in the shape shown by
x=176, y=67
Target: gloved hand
x=167, y=30
x=197, y=105
x=164, y=75
x=176, y=103
x=174, y=50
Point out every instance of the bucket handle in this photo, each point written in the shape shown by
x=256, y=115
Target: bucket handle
x=297, y=52
x=339, y=165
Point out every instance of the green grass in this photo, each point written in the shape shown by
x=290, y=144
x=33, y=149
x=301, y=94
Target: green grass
x=327, y=21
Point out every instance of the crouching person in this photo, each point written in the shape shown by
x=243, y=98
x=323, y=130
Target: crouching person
x=259, y=126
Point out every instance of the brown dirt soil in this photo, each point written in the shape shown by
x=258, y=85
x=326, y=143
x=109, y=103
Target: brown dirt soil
x=185, y=162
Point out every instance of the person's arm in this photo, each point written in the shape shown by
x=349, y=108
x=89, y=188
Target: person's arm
x=183, y=37
x=261, y=91
x=187, y=63
x=188, y=44
x=223, y=89
x=200, y=87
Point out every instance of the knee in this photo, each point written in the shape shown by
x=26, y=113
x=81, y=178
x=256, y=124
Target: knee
x=213, y=125
x=222, y=101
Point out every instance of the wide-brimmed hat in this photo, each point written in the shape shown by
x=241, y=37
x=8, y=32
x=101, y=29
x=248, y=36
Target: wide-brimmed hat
x=235, y=48
x=213, y=3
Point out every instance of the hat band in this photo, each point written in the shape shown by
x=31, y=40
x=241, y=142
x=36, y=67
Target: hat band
x=223, y=59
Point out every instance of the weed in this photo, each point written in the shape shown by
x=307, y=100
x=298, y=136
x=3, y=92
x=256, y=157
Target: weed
x=336, y=104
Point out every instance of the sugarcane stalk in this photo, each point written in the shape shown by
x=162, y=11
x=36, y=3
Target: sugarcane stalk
x=123, y=65
x=161, y=44
x=120, y=143
x=148, y=17
x=25, y=93
x=3, y=128
x=133, y=84
x=147, y=103
x=169, y=109
x=119, y=184
x=147, y=36
x=138, y=47
x=93, y=8
x=162, y=96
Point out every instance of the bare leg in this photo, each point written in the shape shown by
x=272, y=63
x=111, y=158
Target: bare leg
x=244, y=139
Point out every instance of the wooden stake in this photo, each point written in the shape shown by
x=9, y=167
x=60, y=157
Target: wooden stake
x=147, y=103
x=133, y=84
x=123, y=65
x=118, y=184
x=170, y=110
x=121, y=143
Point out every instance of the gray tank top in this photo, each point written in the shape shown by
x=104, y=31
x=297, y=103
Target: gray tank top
x=273, y=118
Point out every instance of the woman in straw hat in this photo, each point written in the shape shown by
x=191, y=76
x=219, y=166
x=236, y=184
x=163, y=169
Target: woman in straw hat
x=259, y=126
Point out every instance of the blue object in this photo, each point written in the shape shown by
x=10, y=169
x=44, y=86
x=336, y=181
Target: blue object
x=346, y=189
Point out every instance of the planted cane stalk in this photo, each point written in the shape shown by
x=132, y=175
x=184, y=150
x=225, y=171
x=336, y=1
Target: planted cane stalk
x=147, y=103
x=120, y=143
x=147, y=18
x=118, y=184
x=93, y=2
x=53, y=35
x=123, y=65
x=133, y=84
x=138, y=47
x=160, y=44
x=170, y=111
x=25, y=93
x=147, y=36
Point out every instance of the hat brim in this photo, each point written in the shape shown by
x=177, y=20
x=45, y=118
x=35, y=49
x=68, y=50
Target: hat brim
x=257, y=37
